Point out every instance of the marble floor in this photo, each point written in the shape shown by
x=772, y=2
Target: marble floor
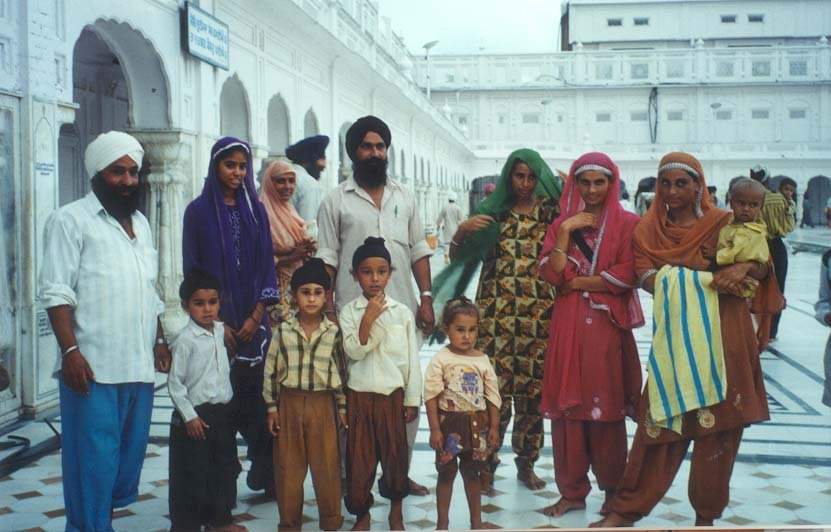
x=782, y=477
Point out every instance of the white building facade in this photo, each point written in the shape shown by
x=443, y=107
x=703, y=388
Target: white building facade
x=736, y=83
x=71, y=69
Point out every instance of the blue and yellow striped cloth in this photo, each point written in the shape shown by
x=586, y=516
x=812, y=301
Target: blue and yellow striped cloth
x=686, y=362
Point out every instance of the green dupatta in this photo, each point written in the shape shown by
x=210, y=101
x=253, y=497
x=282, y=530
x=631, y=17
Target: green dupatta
x=454, y=279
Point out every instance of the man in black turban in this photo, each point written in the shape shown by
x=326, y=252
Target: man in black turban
x=372, y=205
x=367, y=142
x=309, y=158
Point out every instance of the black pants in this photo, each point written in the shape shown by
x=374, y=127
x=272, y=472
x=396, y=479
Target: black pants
x=779, y=253
x=203, y=473
x=249, y=417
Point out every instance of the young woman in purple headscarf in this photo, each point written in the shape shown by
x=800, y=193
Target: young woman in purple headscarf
x=226, y=233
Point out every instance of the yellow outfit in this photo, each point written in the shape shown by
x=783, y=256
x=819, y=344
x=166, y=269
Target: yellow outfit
x=743, y=242
x=778, y=215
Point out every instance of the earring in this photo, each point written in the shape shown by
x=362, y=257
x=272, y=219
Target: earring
x=698, y=197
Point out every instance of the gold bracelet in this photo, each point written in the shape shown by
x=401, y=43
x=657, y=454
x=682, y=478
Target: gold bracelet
x=558, y=250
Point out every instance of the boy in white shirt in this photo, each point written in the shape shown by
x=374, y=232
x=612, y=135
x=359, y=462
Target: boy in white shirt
x=203, y=448
x=383, y=389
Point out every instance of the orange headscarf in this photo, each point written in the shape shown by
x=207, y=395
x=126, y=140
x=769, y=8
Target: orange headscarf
x=287, y=227
x=658, y=241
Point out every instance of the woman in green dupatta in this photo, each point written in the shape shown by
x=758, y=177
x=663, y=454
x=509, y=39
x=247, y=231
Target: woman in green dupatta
x=506, y=235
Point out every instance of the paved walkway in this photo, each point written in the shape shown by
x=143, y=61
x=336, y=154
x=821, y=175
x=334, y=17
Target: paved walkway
x=782, y=478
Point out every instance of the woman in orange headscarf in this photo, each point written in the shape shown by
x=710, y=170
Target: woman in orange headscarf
x=291, y=244
x=681, y=228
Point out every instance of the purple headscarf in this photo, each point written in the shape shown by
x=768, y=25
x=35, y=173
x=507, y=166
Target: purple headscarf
x=208, y=243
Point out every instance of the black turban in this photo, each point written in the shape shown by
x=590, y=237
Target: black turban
x=308, y=150
x=312, y=271
x=373, y=246
x=356, y=133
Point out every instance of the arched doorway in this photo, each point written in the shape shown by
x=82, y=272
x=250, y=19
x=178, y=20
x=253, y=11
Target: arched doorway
x=310, y=127
x=345, y=164
x=233, y=110
x=278, y=126
x=118, y=83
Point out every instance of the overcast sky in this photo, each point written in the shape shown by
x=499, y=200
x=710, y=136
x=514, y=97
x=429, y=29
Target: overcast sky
x=476, y=26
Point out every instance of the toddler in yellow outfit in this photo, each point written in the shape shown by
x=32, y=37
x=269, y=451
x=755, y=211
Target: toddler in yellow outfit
x=744, y=239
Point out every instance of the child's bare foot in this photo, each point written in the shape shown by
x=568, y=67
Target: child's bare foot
x=700, y=521
x=362, y=523
x=530, y=479
x=484, y=525
x=563, y=506
x=418, y=489
x=612, y=520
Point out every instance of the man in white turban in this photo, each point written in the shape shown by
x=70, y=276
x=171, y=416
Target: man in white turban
x=97, y=283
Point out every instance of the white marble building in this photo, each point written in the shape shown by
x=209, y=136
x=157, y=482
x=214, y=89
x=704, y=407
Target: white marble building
x=736, y=82
x=70, y=69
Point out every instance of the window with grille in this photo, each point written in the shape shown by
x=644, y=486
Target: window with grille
x=759, y=114
x=674, y=116
x=614, y=22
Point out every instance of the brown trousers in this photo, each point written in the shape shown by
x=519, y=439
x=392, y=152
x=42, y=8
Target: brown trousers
x=377, y=433
x=580, y=444
x=308, y=439
x=651, y=469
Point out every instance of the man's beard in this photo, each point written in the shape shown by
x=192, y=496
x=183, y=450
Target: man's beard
x=371, y=172
x=314, y=170
x=120, y=207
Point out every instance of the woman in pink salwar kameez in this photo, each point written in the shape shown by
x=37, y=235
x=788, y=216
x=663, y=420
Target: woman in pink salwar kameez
x=592, y=377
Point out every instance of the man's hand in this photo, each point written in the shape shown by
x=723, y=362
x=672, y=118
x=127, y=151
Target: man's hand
x=425, y=318
x=410, y=413
x=75, y=372
x=436, y=440
x=162, y=357
x=273, y=423
x=196, y=428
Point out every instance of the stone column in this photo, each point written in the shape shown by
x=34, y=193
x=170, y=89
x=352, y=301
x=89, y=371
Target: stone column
x=170, y=155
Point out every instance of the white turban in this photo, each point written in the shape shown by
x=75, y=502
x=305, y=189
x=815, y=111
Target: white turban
x=109, y=147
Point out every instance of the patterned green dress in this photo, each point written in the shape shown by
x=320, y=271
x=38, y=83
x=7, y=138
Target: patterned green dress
x=516, y=303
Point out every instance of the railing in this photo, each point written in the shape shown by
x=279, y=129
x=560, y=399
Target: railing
x=356, y=24
x=621, y=68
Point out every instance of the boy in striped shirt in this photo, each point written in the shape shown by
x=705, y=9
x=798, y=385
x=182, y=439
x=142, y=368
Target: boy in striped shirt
x=303, y=391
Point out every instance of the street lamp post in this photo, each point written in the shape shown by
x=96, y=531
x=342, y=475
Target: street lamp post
x=427, y=47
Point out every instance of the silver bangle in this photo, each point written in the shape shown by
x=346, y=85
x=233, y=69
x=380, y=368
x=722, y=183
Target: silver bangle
x=161, y=340
x=558, y=250
x=426, y=293
x=454, y=243
x=69, y=350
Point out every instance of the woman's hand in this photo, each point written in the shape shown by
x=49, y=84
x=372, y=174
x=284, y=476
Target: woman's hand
x=568, y=287
x=579, y=221
x=729, y=280
x=475, y=223
x=246, y=332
